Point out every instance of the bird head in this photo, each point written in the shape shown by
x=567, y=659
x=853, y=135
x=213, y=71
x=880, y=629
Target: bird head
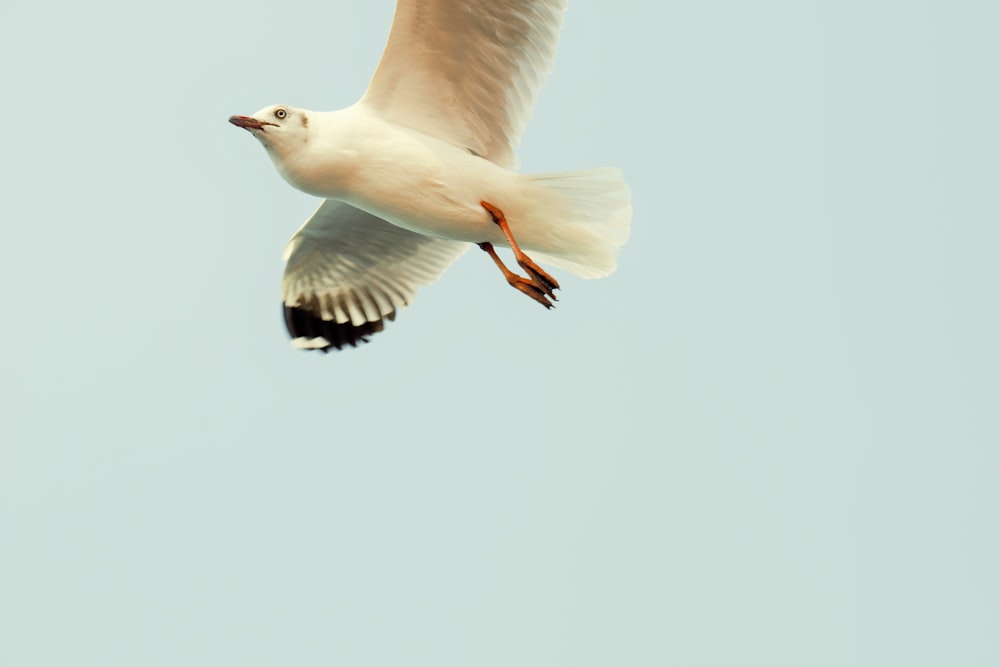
x=280, y=128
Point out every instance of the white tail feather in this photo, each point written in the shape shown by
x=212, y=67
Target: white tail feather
x=583, y=228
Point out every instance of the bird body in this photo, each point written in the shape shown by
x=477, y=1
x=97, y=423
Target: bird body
x=432, y=187
x=407, y=178
x=419, y=168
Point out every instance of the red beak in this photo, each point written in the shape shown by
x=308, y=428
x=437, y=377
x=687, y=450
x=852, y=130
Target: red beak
x=248, y=123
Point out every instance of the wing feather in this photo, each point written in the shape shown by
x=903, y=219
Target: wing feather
x=347, y=271
x=467, y=71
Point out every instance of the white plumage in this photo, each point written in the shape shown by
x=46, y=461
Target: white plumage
x=407, y=170
x=467, y=72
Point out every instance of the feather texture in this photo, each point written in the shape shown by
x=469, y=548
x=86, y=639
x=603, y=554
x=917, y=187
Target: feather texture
x=467, y=71
x=347, y=271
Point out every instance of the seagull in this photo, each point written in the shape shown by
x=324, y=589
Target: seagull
x=423, y=167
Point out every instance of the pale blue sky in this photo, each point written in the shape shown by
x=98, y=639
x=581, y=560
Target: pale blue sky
x=769, y=440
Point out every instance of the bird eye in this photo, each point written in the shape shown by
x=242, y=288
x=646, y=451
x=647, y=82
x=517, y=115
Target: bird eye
x=280, y=114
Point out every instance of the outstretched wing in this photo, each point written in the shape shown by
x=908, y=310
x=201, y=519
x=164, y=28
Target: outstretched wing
x=348, y=271
x=467, y=71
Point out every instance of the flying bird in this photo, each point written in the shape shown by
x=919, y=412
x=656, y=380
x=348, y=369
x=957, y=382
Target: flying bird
x=422, y=167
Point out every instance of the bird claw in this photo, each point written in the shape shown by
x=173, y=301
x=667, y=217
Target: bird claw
x=540, y=278
x=535, y=290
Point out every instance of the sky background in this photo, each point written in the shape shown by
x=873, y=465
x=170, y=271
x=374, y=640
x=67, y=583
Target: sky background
x=769, y=439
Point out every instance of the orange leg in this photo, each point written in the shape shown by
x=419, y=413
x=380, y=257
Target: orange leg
x=525, y=285
x=539, y=277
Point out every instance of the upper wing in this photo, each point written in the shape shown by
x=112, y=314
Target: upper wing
x=467, y=71
x=349, y=270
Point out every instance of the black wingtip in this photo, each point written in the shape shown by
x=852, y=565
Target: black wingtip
x=303, y=324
